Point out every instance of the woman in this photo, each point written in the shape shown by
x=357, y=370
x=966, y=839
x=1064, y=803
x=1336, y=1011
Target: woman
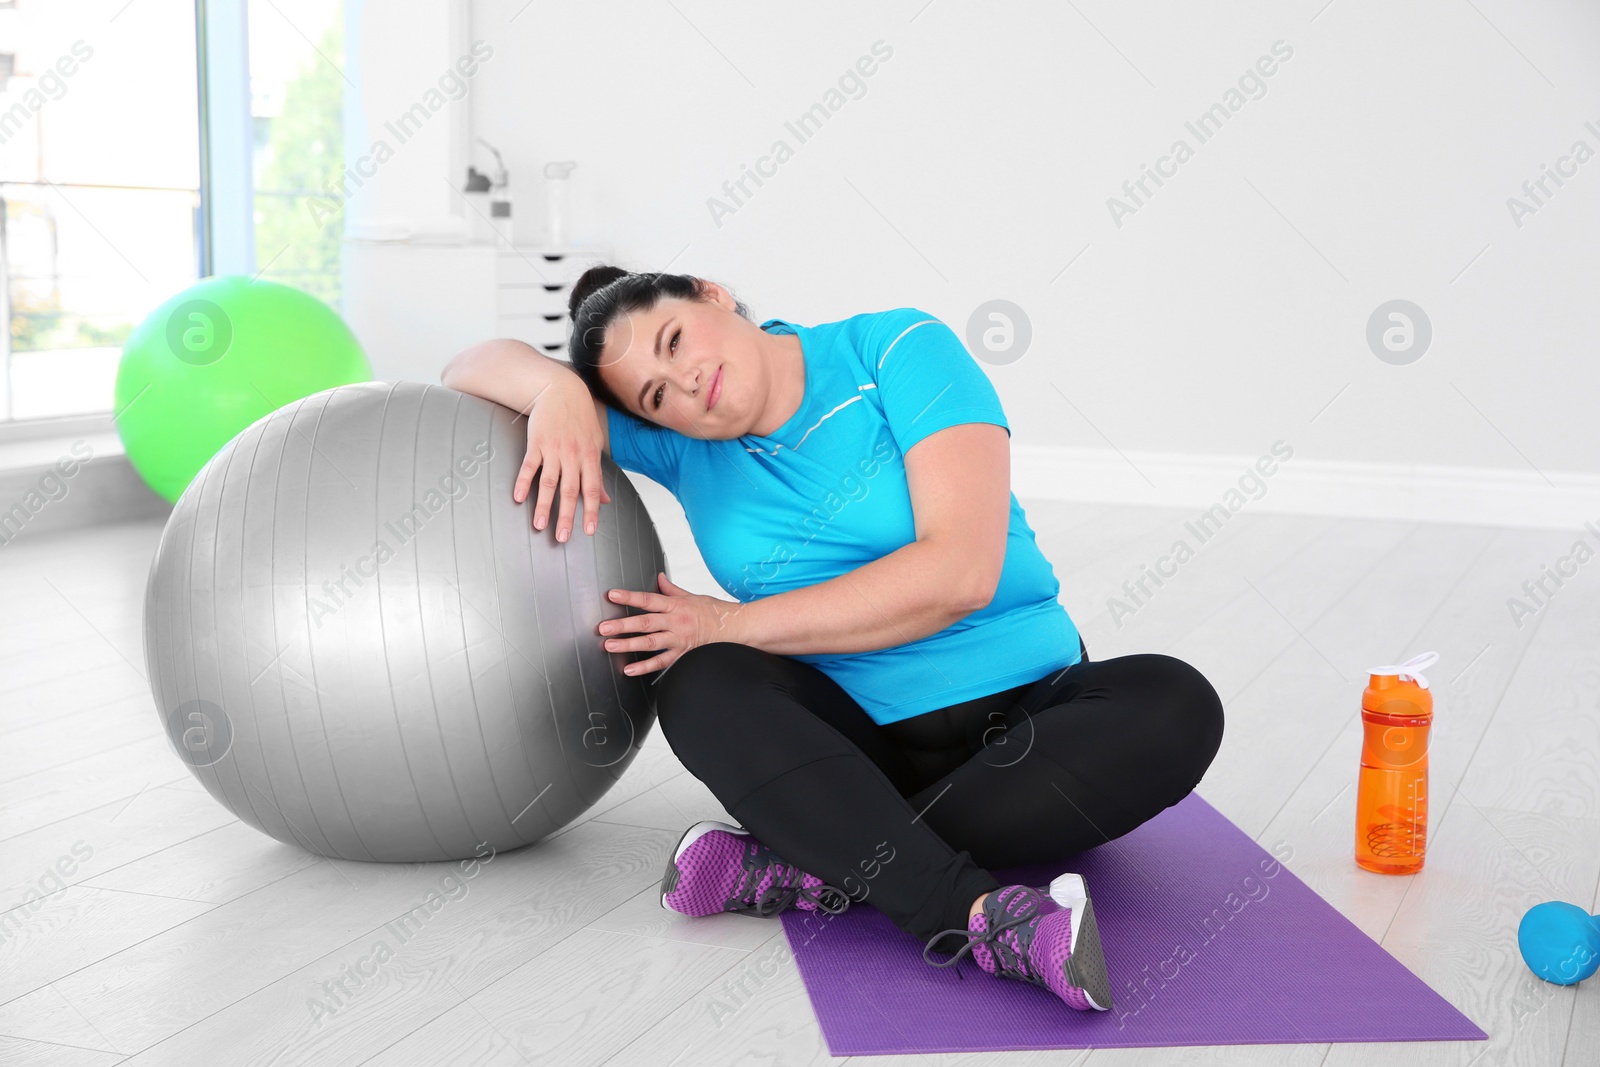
x=894, y=700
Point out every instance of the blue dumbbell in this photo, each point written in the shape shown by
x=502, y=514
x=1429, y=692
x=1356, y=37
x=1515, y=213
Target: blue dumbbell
x=1560, y=942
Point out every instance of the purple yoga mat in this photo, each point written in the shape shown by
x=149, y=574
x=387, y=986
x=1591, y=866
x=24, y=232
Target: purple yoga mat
x=1208, y=940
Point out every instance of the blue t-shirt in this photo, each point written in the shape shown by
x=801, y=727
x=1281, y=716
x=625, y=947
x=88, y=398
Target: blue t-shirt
x=826, y=493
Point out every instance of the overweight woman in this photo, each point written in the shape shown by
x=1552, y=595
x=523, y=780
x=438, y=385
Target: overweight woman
x=893, y=700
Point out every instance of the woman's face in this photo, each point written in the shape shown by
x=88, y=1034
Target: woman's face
x=667, y=364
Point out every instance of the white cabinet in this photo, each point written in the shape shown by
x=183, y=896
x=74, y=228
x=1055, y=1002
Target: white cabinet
x=531, y=290
x=413, y=305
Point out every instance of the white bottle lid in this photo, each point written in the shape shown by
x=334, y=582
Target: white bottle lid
x=1411, y=668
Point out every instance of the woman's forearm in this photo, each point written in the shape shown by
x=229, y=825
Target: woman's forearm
x=894, y=600
x=506, y=371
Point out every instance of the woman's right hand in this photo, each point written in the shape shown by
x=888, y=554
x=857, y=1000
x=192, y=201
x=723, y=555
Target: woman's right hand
x=564, y=440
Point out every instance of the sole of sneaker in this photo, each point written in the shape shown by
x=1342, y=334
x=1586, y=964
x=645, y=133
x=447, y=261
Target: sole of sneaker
x=669, y=880
x=1086, y=967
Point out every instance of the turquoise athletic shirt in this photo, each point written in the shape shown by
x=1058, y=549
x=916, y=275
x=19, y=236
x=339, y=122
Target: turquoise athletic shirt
x=827, y=493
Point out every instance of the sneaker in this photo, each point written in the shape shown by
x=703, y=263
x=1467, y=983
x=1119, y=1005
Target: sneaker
x=718, y=867
x=1044, y=936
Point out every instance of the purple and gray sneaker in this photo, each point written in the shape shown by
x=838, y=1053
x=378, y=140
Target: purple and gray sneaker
x=1047, y=937
x=718, y=867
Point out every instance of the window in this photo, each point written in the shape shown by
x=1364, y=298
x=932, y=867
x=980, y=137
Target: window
x=97, y=192
x=297, y=84
x=100, y=209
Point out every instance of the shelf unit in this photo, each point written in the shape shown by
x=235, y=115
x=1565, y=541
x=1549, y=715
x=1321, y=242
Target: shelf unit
x=531, y=289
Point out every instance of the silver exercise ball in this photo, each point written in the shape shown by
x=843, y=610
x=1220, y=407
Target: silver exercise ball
x=360, y=645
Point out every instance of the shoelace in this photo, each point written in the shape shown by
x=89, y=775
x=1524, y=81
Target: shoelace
x=1006, y=955
x=784, y=891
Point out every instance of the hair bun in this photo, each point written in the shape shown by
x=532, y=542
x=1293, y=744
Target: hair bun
x=592, y=279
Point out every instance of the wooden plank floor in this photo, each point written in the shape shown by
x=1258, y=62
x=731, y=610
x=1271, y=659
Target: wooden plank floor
x=183, y=936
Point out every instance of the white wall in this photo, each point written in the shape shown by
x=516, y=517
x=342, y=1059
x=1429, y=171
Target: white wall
x=1228, y=312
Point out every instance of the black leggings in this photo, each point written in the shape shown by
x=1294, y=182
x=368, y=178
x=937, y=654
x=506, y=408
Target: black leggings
x=908, y=815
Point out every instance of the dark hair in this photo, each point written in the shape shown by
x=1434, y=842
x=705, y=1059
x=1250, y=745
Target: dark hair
x=602, y=294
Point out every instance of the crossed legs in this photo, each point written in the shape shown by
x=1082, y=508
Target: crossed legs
x=909, y=816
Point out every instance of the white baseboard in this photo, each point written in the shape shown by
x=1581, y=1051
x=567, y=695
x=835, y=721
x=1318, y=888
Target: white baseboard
x=64, y=495
x=1302, y=486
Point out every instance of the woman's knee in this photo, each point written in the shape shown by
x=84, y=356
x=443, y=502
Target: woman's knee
x=703, y=681
x=1193, y=717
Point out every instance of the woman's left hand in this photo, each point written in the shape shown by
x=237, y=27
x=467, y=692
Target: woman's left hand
x=678, y=621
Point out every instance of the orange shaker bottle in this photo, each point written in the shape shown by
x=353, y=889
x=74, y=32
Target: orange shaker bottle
x=1392, y=798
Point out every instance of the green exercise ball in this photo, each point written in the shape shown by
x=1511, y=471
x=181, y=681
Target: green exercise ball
x=215, y=358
